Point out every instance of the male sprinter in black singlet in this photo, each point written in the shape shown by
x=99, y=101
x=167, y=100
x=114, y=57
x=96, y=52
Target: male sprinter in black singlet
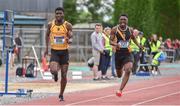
x=120, y=38
x=59, y=34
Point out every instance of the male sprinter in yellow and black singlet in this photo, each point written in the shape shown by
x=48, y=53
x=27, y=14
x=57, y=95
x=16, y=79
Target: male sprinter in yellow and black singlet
x=59, y=33
x=120, y=38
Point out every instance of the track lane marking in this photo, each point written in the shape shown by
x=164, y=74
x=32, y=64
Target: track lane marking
x=127, y=92
x=160, y=97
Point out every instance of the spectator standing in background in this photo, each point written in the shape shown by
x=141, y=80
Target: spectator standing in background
x=105, y=57
x=97, y=49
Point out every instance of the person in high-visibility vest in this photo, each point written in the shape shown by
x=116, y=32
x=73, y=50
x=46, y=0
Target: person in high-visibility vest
x=157, y=59
x=155, y=44
x=105, y=58
x=136, y=53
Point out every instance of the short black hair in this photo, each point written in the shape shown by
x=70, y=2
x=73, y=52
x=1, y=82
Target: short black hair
x=123, y=15
x=59, y=9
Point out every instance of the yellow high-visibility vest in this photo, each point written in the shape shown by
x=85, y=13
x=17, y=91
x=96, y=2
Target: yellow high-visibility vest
x=133, y=46
x=155, y=47
x=107, y=44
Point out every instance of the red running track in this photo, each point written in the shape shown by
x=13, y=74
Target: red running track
x=157, y=91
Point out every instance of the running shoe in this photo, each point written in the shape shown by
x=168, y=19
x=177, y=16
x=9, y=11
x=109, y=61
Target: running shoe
x=105, y=78
x=118, y=93
x=61, y=98
x=96, y=79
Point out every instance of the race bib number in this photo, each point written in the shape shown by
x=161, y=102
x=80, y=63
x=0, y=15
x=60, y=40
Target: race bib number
x=123, y=44
x=59, y=40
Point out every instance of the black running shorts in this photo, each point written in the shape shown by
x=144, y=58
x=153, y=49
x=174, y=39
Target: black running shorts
x=121, y=59
x=60, y=56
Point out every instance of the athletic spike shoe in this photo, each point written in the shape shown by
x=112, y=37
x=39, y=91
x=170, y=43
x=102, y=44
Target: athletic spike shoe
x=61, y=98
x=119, y=93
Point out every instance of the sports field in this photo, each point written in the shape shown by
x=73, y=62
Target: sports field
x=149, y=90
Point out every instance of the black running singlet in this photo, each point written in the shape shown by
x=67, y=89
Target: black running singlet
x=123, y=39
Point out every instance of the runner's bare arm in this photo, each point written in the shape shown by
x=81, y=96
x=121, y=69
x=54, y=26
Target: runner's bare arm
x=113, y=37
x=47, y=38
x=69, y=28
x=70, y=34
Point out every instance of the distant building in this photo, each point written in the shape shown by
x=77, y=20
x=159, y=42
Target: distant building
x=30, y=28
x=84, y=25
x=43, y=8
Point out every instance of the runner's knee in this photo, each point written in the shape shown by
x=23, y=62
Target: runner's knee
x=128, y=67
x=119, y=73
x=54, y=67
x=128, y=70
x=63, y=75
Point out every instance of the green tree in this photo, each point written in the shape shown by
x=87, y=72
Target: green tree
x=167, y=17
x=97, y=9
x=71, y=13
x=79, y=11
x=139, y=12
x=151, y=16
x=83, y=17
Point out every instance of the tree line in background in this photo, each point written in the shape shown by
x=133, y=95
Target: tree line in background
x=150, y=16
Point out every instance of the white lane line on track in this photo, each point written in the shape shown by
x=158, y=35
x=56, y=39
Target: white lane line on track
x=160, y=97
x=127, y=92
